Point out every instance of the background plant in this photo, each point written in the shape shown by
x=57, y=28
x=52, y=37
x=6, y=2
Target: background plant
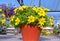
x=2, y=20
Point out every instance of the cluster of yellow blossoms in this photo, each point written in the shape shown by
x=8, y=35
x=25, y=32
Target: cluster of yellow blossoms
x=20, y=8
x=15, y=10
x=42, y=13
x=3, y=20
x=31, y=18
x=11, y=18
x=51, y=20
x=46, y=32
x=17, y=21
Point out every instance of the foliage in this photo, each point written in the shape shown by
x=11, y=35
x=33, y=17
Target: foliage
x=4, y=23
x=45, y=32
x=2, y=20
x=30, y=15
x=56, y=31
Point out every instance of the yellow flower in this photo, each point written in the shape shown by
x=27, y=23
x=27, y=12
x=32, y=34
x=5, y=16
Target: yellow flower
x=3, y=15
x=15, y=10
x=20, y=8
x=0, y=9
x=31, y=19
x=11, y=18
x=35, y=9
x=17, y=21
x=42, y=21
x=41, y=26
x=46, y=9
x=3, y=21
x=40, y=8
x=24, y=7
x=51, y=20
x=42, y=13
x=47, y=32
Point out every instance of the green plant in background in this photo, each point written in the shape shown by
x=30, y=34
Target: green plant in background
x=0, y=10
x=45, y=32
x=56, y=31
x=2, y=20
x=30, y=15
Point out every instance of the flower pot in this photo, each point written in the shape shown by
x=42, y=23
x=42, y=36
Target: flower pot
x=30, y=32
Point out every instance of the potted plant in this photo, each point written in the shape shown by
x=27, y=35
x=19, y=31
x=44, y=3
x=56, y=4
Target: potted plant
x=56, y=31
x=31, y=20
x=2, y=24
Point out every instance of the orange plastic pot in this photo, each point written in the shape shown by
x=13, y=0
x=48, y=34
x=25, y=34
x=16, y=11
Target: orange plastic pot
x=30, y=32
